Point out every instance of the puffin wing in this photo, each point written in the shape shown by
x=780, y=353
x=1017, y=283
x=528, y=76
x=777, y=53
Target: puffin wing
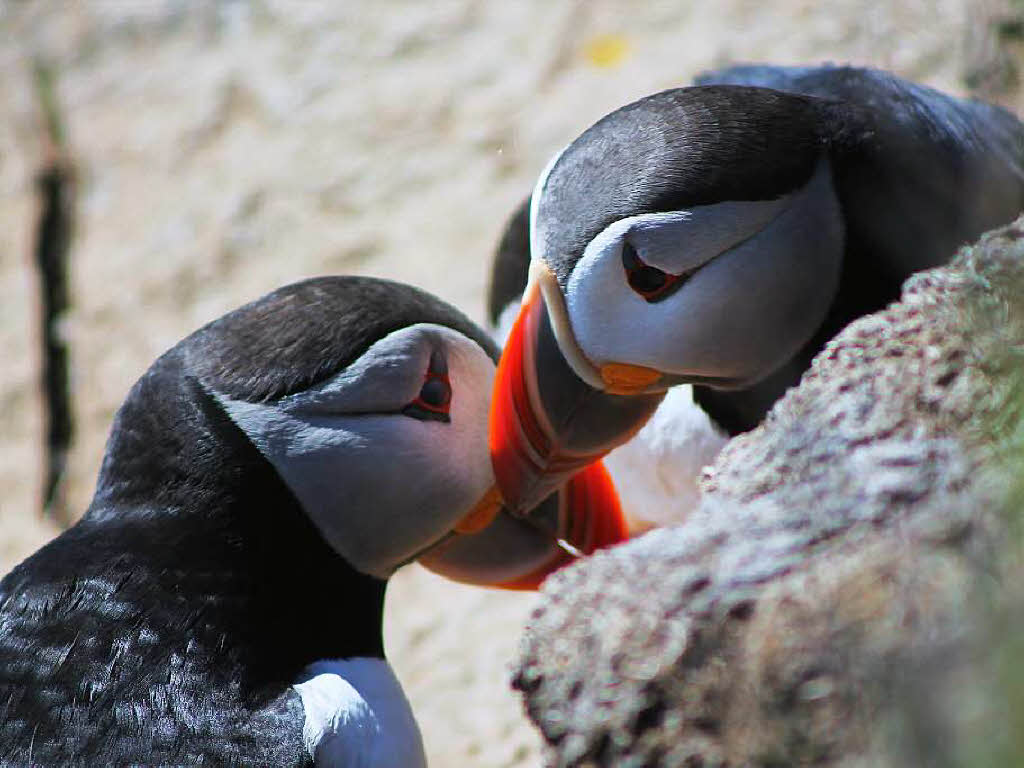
x=918, y=172
x=91, y=669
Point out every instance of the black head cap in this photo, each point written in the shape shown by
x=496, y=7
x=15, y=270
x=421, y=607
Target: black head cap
x=303, y=333
x=673, y=150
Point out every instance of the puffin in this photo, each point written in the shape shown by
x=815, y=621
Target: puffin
x=695, y=250
x=221, y=599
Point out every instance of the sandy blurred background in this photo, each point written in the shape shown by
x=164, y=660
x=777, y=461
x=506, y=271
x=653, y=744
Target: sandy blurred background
x=225, y=148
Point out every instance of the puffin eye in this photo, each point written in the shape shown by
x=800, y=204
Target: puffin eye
x=434, y=399
x=651, y=283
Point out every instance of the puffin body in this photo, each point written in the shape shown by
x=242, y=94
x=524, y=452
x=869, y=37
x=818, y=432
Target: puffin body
x=717, y=236
x=220, y=602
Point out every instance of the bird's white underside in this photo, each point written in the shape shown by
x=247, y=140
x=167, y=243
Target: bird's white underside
x=357, y=716
x=656, y=472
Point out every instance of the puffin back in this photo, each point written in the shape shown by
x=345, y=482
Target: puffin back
x=918, y=172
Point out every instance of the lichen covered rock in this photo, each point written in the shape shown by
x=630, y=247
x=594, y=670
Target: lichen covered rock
x=835, y=554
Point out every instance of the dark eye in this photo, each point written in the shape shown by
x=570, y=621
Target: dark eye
x=436, y=392
x=434, y=399
x=650, y=282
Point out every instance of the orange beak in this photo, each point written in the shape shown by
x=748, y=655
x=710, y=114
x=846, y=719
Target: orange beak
x=546, y=424
x=591, y=519
x=519, y=553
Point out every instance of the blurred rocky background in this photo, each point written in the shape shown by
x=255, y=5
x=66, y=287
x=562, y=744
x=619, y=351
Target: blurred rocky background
x=184, y=157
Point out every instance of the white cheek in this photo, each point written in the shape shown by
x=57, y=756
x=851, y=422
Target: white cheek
x=381, y=487
x=607, y=317
x=355, y=476
x=744, y=312
x=397, y=485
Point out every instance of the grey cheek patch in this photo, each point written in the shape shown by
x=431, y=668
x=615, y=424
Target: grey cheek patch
x=380, y=486
x=340, y=468
x=741, y=314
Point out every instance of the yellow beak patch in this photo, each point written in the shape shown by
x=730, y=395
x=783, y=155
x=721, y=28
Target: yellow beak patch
x=482, y=514
x=625, y=379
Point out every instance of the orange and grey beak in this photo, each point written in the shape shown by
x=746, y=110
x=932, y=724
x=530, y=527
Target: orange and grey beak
x=519, y=553
x=546, y=423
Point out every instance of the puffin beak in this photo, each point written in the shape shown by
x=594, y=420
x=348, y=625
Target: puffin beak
x=519, y=553
x=546, y=423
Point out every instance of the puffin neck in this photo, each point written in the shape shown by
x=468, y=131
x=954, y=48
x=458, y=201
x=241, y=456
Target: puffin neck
x=184, y=497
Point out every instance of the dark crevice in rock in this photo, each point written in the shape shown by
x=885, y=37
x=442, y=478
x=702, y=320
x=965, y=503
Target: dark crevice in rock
x=655, y=759
x=709, y=725
x=742, y=611
x=526, y=682
x=649, y=717
x=697, y=585
x=599, y=752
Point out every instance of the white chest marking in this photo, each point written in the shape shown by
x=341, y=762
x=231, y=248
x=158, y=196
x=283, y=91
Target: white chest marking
x=358, y=717
x=656, y=472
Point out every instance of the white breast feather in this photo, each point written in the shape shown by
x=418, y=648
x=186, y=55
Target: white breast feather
x=656, y=472
x=357, y=716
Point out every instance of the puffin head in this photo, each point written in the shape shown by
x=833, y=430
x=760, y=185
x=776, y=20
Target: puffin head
x=369, y=399
x=693, y=236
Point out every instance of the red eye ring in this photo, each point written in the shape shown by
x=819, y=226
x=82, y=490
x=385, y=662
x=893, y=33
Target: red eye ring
x=649, y=282
x=435, y=394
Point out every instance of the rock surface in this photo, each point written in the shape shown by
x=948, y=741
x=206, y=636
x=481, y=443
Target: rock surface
x=837, y=548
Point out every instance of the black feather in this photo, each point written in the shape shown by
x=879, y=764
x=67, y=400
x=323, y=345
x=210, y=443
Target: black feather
x=511, y=263
x=303, y=333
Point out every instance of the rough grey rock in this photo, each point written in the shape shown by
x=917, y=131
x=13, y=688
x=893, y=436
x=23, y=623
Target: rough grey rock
x=833, y=560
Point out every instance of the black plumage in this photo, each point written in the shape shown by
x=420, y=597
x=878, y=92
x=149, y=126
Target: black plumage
x=511, y=263
x=169, y=624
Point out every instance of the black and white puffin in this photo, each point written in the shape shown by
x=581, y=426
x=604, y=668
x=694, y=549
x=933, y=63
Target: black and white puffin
x=221, y=600
x=716, y=236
